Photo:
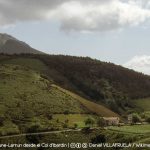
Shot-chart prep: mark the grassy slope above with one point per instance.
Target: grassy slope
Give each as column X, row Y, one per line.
column 141, row 133
column 26, row 86
column 41, row 67
column 144, row 104
column 53, row 73
column 93, row 107
column 28, row 99
column 74, row 119
column 34, row 64
column 138, row 129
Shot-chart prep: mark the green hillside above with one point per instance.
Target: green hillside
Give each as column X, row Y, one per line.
column 104, row 83
column 93, row 107
column 143, row 104
column 28, row 99
column 32, row 63
column 41, row 93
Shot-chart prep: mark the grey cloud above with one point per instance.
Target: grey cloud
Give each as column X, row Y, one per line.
column 12, row 11
column 77, row 15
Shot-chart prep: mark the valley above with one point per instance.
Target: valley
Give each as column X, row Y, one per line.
column 56, row 98
column 31, row 101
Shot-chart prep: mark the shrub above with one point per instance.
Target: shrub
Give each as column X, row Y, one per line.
column 66, row 112
column 89, row 122
column 75, row 125
column 50, row 116
column 136, row 118
column 101, row 122
column 148, row 119
column 99, row 139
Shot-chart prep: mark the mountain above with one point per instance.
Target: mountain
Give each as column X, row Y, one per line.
column 11, row 45
column 107, row 84
column 28, row 98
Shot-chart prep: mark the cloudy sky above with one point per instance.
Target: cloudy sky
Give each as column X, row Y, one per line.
column 110, row 30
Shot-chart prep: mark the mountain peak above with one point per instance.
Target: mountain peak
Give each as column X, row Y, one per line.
column 11, row 45
column 5, row 37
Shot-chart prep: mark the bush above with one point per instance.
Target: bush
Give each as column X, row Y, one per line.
column 66, row 112
column 101, row 122
column 65, row 125
column 136, row 118
column 99, row 139
column 89, row 122
column 148, row 119
column 2, row 119
column 75, row 125
column 33, row 128
column 33, row 138
column 49, row 116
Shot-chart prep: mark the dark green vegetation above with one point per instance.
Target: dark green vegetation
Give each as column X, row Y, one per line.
column 86, row 136
column 27, row 99
column 104, row 83
column 143, row 104
column 29, row 102
column 45, row 93
column 139, row 129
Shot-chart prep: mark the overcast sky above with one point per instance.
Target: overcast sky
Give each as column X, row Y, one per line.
column 110, row 30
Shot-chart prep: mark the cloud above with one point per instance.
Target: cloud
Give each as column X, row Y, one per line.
column 77, row 15
column 139, row 63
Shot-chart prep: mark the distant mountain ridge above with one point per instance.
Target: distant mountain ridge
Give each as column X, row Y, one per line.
column 11, row 45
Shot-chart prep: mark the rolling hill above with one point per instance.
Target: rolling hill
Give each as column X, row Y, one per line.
column 107, row 84
column 104, row 83
column 27, row 98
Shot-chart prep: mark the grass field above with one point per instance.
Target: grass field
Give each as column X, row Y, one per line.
column 138, row 129
column 78, row 119
column 27, row 99
column 78, row 137
column 31, row 63
column 93, row 107
column 144, row 104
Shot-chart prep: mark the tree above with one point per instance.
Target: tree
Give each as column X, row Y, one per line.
column 89, row 122
column 34, row 138
column 33, row 128
column 75, row 125
column 50, row 116
column 66, row 123
column 136, row 118
column 101, row 122
column 148, row 119
column 2, row 119
column 99, row 139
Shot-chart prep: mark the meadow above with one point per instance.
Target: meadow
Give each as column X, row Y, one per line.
column 143, row 104
column 137, row 129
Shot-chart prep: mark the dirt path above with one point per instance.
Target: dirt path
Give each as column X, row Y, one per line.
column 39, row 133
